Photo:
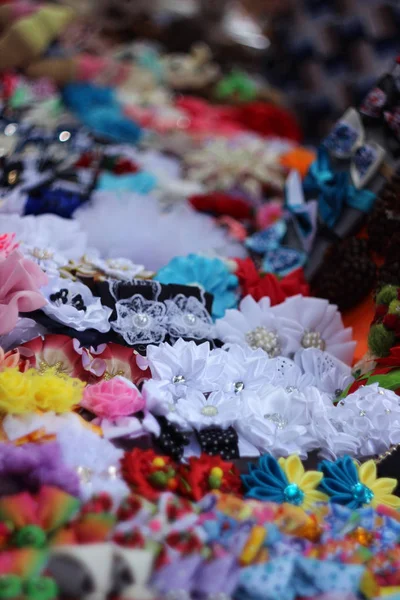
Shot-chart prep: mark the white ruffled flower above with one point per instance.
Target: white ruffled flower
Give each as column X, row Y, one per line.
column 284, row 422
column 372, row 415
column 121, row 269
column 48, row 259
column 322, row 325
column 73, row 304
column 256, row 324
column 200, row 411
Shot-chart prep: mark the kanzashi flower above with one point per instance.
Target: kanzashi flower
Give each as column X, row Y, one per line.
column 111, row 399
column 283, row 481
column 209, row 274
column 148, row 474
column 259, row 326
column 355, row 486
column 73, row 304
column 20, row 280
column 322, row 326
column 207, row 473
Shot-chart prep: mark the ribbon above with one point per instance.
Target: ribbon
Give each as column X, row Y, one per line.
column 334, row 190
column 302, row 214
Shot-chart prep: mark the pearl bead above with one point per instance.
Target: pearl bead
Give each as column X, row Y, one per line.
column 10, row 129
column 141, row 320
column 268, row 341
column 313, row 339
column 178, row 379
column 190, row 319
column 112, row 472
column 209, row 411
column 64, row 136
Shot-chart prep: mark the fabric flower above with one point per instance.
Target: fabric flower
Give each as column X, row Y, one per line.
column 188, row 317
column 16, row 394
column 322, row 326
column 50, row 392
column 52, row 354
column 48, row 259
column 355, row 486
column 207, row 473
column 20, row 280
column 267, row 119
column 219, row 203
column 31, row 465
column 210, row 274
column 140, row 321
column 258, row 286
column 121, row 269
column 285, row 421
column 8, row 360
column 259, row 326
column 329, row 374
column 7, row 245
column 73, row 304
column 371, row 415
column 269, row 213
column 199, row 411
column 148, row 474
column 283, row 481
column 114, row 398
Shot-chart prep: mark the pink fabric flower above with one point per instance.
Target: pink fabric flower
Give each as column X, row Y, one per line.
column 20, row 279
column 7, row 244
column 268, row 214
column 114, row 398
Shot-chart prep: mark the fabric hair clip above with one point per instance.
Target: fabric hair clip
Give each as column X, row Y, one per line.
column 347, row 140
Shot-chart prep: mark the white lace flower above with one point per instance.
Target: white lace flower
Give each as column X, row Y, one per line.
column 188, row 317
column 372, row 415
column 140, row 321
column 257, row 325
column 322, row 325
column 284, row 422
column 327, row 373
column 73, row 304
column 215, row 410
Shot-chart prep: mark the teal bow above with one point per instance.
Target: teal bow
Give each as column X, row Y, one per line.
column 334, row 190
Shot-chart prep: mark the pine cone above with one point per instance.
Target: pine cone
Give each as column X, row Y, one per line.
column 347, row 274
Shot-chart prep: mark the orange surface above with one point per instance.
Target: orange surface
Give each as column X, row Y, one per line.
column 359, row 318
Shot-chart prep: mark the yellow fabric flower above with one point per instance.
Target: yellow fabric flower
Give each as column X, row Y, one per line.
column 382, row 488
column 305, row 483
column 16, row 392
column 52, row 392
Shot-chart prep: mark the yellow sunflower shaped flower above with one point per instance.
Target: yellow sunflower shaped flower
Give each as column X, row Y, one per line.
column 302, row 489
column 59, row 394
column 16, row 392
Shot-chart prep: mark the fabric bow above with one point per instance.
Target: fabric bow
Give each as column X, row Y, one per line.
column 334, row 190
column 302, row 214
column 383, row 102
column 347, row 140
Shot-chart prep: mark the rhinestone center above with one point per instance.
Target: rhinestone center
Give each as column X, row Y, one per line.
column 209, row 411
column 293, row 494
column 313, row 339
column 260, row 337
column 277, row 419
column 178, row 379
column 238, row 387
column 362, row 493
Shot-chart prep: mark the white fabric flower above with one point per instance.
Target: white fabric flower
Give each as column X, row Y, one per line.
column 73, row 304
column 372, row 415
column 216, row 410
column 284, row 422
column 188, row 317
column 245, row 369
column 256, row 324
column 47, row 232
column 48, row 259
column 328, row 374
column 140, row 321
column 122, row 269
column 322, row 325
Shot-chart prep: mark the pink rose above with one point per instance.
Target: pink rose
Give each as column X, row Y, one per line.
column 20, row 280
column 113, row 398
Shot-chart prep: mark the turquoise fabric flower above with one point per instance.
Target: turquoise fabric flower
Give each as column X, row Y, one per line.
column 267, row 481
column 210, row 274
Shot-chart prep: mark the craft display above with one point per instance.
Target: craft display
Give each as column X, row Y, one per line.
column 199, row 331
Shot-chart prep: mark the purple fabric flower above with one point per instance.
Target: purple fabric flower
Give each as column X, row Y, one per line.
column 27, row 467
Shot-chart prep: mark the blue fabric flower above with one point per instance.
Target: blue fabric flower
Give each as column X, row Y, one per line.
column 267, row 481
column 139, row 183
column 341, row 482
column 210, row 274
column 99, row 110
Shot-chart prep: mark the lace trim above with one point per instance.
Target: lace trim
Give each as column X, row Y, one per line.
column 141, row 321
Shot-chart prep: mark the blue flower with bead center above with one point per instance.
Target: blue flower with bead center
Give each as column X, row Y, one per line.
column 341, row 482
column 267, row 481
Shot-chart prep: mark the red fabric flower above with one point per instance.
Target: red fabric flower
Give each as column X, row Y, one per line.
column 185, row 542
column 269, row 285
column 148, row 474
column 219, row 203
column 393, row 360
column 125, row 166
column 206, row 474
column 269, row 120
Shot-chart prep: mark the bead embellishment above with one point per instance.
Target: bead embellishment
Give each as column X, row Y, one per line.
column 268, row 341
column 313, row 339
column 277, row 419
